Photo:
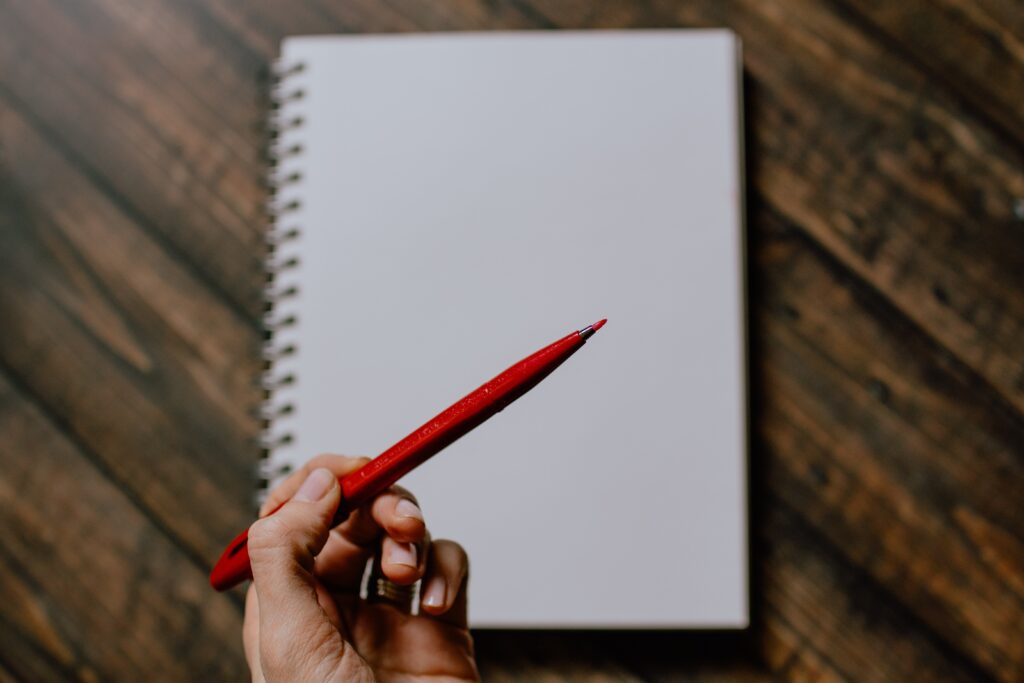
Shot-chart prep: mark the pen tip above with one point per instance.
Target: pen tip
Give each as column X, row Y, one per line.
column 589, row 330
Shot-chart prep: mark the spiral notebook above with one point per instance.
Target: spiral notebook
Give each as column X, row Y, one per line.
column 446, row 204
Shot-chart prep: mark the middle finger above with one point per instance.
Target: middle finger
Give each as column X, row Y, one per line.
column 393, row 515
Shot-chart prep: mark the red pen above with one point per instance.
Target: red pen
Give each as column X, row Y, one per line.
column 433, row 436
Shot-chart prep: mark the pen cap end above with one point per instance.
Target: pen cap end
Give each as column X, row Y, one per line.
column 233, row 566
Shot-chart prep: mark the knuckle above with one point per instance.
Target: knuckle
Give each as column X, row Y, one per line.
column 455, row 551
column 266, row 536
column 287, row 534
column 460, row 552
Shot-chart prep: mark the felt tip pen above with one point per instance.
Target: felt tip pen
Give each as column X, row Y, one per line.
column 429, row 439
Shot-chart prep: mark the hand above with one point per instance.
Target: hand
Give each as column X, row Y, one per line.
column 304, row 620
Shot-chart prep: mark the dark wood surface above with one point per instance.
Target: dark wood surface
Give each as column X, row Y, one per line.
column 885, row 149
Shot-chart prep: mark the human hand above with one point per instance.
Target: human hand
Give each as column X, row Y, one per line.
column 304, row 619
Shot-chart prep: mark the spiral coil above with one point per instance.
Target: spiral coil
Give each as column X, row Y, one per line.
column 284, row 150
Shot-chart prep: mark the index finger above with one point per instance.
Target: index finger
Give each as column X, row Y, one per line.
column 340, row 465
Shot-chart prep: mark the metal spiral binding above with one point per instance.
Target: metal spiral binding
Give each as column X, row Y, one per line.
column 283, row 152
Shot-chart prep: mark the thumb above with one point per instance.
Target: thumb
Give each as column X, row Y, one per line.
column 282, row 548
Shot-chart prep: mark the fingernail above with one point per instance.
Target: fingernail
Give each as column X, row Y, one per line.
column 403, row 553
column 435, row 593
column 316, row 485
column 407, row 508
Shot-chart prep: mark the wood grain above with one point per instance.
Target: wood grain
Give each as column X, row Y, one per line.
column 874, row 449
column 885, row 152
column 905, row 188
column 984, row 65
column 140, row 363
column 179, row 165
column 91, row 589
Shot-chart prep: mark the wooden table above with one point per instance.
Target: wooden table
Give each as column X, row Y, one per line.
column 886, row 170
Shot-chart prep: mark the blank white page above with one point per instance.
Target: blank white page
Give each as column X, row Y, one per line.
column 468, row 198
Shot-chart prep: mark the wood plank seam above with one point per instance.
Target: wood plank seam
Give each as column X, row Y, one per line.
column 803, row 645
column 10, row 630
column 960, row 373
column 205, row 17
column 951, row 618
column 170, row 77
column 534, row 14
column 129, row 210
column 930, row 440
column 881, row 36
column 992, row 396
column 10, row 563
column 62, row 427
column 76, row 320
column 153, row 132
column 892, row 600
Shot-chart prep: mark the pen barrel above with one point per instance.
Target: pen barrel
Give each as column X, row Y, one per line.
column 455, row 422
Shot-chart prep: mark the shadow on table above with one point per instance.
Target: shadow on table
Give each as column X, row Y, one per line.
column 647, row 654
